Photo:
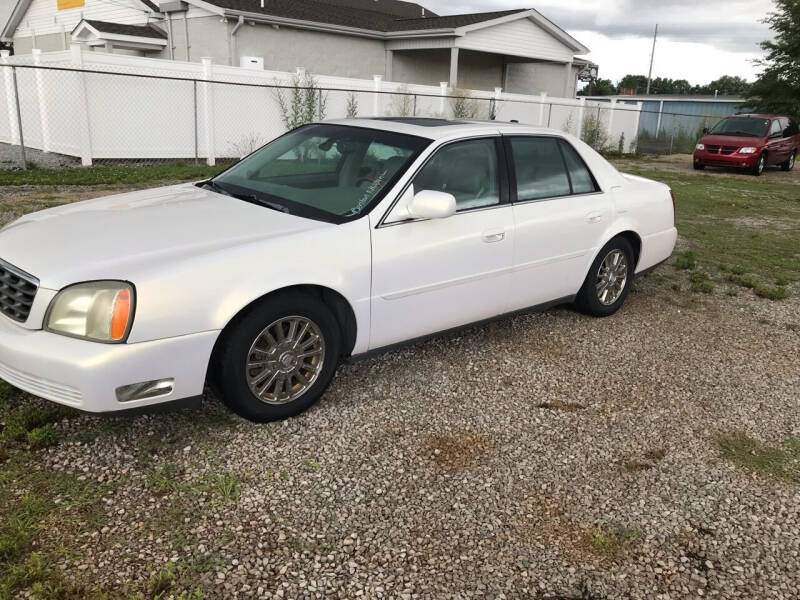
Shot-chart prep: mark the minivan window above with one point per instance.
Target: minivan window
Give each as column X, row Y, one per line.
column 467, row 170
column 540, row 169
column 742, row 126
column 776, row 128
column 579, row 175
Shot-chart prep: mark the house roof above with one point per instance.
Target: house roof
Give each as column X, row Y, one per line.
column 146, row 31
column 450, row 21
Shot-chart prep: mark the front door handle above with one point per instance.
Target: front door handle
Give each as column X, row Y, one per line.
column 491, row 237
column 594, row 217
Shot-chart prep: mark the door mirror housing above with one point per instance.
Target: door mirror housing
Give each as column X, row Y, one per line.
column 706, row 131
column 428, row 204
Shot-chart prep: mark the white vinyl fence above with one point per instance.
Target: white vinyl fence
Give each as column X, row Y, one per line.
column 99, row 106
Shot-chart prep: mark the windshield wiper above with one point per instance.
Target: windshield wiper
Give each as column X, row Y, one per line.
column 252, row 198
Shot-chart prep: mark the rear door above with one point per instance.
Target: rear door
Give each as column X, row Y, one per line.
column 561, row 215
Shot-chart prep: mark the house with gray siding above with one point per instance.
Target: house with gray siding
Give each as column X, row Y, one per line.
column 518, row 50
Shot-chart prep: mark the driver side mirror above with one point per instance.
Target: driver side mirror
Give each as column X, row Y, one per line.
column 706, row 130
column 428, row 204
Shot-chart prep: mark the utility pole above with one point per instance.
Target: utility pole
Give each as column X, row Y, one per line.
column 652, row 56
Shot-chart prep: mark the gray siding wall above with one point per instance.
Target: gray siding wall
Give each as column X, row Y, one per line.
column 538, row 77
column 282, row 49
column 476, row 71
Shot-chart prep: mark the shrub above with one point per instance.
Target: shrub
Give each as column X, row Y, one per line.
column 303, row 102
column 463, row 105
column 352, row 106
column 594, row 132
column 402, row 104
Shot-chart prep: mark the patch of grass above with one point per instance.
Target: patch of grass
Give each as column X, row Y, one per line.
column 42, row 437
column 109, row 175
column 609, row 541
column 227, row 485
column 701, row 283
column 309, row 464
column 753, row 224
column 781, row 280
column 745, row 281
column 686, row 261
column 778, row 462
column 771, row 293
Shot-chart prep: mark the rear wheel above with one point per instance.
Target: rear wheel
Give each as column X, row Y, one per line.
column 761, row 164
column 278, row 359
column 609, row 280
column 789, row 164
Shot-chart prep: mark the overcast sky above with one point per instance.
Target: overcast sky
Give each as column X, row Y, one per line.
column 699, row 40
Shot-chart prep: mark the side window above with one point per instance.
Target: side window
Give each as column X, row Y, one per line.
column 540, row 168
column 793, row 127
column 776, row 128
column 468, row 170
column 579, row 175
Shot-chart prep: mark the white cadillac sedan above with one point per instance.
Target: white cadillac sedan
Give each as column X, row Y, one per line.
column 335, row 240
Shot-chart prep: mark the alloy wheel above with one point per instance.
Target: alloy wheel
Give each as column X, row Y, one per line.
column 285, row 360
column 612, row 277
column 761, row 163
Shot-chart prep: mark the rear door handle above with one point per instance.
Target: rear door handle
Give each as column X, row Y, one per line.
column 491, row 237
column 594, row 217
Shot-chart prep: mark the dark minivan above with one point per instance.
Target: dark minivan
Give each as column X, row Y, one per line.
column 750, row 142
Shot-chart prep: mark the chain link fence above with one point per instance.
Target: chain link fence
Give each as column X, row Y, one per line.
column 60, row 116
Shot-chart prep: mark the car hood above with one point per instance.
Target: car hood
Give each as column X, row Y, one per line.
column 116, row 237
column 732, row 140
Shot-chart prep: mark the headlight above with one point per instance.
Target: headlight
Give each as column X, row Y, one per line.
column 701, row 146
column 101, row 311
column 748, row 150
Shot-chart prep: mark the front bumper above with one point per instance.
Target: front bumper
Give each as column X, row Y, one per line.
column 736, row 160
column 85, row 375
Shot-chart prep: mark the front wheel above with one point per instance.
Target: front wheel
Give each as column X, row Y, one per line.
column 789, row 164
column 279, row 357
column 699, row 167
column 609, row 280
column 761, row 164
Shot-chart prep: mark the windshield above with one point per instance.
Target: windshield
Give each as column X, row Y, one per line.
column 742, row 126
column 332, row 173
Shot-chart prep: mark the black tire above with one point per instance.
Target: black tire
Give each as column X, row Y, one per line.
column 231, row 368
column 587, row 300
column 761, row 164
column 699, row 167
column 788, row 164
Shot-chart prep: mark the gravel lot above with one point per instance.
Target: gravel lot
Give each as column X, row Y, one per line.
column 433, row 472
column 543, row 456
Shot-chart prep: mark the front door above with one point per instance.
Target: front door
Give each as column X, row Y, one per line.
column 432, row 275
column 560, row 217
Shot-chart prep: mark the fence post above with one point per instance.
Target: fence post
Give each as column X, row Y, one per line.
column 543, row 100
column 13, row 125
column 22, row 157
column 611, row 119
column 634, row 144
column 42, row 98
column 443, row 85
column 498, row 95
column 581, row 112
column 415, row 105
column 76, row 51
column 376, row 103
column 196, row 132
column 208, row 112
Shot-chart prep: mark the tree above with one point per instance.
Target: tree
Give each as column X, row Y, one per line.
column 727, row 85
column 777, row 89
column 599, row 87
column 635, row 83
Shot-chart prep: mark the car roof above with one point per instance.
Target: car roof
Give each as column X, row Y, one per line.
column 760, row 116
column 436, row 128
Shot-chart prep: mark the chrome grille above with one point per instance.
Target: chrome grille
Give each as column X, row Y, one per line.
column 17, row 291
